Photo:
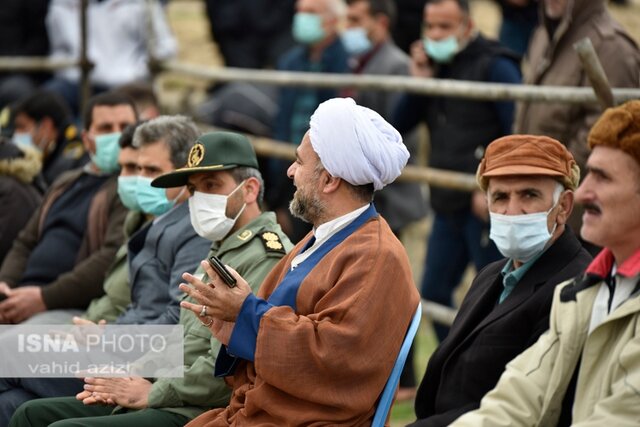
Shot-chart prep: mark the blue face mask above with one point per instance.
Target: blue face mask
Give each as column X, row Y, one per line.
column 127, row 186
column 441, row 51
column 307, row 28
column 520, row 237
column 152, row 200
column 23, row 139
column 107, row 150
column 355, row 41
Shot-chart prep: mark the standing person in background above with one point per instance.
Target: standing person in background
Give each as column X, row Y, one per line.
column 459, row 131
column 552, row 61
column 144, row 98
column 117, row 43
column 319, row 49
column 519, row 19
column 367, row 39
column 251, row 34
column 22, row 33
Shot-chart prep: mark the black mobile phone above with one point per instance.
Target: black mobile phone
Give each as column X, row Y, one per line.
column 222, row 271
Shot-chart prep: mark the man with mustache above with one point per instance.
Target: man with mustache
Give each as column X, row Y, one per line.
column 586, row 369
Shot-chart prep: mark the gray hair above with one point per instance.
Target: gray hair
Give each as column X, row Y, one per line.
column 242, row 173
column 179, row 133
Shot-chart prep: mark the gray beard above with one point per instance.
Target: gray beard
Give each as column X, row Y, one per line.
column 308, row 209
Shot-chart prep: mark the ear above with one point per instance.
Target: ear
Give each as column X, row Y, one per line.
column 383, row 20
column 565, row 206
column 251, row 190
column 330, row 184
column 47, row 124
column 470, row 26
column 88, row 142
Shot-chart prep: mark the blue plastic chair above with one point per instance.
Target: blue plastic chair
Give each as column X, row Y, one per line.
column 392, row 383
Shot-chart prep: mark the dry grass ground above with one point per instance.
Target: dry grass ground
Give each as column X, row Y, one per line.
column 189, row 23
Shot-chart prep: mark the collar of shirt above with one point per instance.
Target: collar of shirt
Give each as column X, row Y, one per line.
column 325, row 231
column 511, row 277
column 623, row 287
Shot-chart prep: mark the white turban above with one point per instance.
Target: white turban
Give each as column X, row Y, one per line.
column 356, row 144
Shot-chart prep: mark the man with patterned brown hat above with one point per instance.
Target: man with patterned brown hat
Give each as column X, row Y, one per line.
column 586, row 369
column 529, row 183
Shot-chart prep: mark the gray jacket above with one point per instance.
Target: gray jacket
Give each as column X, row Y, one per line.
column 158, row 255
column 400, row 202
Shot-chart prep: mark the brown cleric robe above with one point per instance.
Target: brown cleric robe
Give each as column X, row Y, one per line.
column 326, row 361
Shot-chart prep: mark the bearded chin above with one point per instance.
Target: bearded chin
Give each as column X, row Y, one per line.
column 298, row 207
column 307, row 208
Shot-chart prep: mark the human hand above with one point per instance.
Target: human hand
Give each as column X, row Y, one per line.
column 420, row 66
column 79, row 321
column 220, row 301
column 128, row 392
column 5, row 290
column 21, row 304
column 479, row 205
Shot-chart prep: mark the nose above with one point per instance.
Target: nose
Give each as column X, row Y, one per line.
column 292, row 170
column 582, row 192
column 513, row 207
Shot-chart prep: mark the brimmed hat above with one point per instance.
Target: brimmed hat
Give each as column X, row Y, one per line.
column 528, row 155
column 618, row 127
column 215, row 151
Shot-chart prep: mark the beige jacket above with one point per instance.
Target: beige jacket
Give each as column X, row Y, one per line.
column 531, row 390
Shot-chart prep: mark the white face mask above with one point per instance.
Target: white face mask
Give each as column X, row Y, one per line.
column 208, row 214
column 521, row 237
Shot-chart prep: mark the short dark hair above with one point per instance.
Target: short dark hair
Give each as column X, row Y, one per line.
column 111, row 99
column 43, row 103
column 463, row 4
column 126, row 138
column 141, row 93
column 382, row 7
column 363, row 193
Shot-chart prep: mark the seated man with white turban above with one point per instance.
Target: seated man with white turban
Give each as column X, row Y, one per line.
column 319, row 340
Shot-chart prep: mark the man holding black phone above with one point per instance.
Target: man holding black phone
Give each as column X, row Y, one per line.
column 311, row 347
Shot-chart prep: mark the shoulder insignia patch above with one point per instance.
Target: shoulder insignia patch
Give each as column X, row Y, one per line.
column 246, row 234
column 71, row 133
column 5, row 117
column 74, row 150
column 272, row 242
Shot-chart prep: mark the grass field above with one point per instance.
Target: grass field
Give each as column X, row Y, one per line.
column 190, row 26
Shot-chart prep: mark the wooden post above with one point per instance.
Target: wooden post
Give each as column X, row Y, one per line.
column 85, row 64
column 595, row 72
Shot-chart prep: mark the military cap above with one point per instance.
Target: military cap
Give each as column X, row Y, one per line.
column 215, row 151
